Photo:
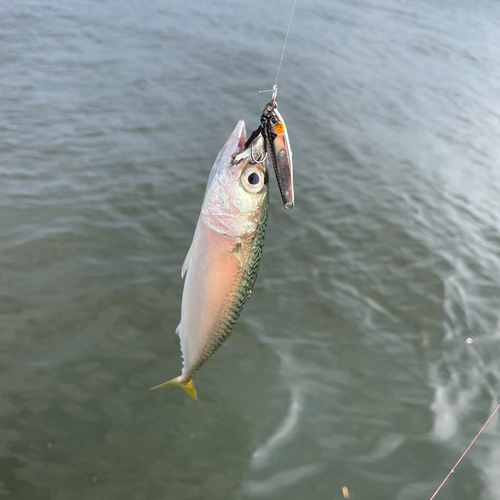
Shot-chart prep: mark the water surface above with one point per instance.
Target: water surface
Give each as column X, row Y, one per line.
column 350, row 365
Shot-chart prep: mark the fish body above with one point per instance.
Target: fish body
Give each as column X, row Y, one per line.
column 221, row 266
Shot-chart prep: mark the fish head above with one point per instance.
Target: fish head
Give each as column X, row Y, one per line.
column 237, row 191
column 281, row 156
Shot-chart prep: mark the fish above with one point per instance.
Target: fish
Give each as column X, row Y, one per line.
column 221, row 265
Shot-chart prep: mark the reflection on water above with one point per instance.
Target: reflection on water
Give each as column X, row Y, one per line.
column 350, row 366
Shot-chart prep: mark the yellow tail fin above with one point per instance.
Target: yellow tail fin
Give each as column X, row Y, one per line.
column 188, row 386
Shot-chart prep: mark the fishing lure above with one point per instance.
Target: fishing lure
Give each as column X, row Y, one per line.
column 273, row 130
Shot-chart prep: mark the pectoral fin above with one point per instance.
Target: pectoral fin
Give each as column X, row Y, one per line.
column 237, row 250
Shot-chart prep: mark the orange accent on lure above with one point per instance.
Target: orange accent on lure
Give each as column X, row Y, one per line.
column 278, row 129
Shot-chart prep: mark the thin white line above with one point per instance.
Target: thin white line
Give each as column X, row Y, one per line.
column 286, row 39
column 465, row 453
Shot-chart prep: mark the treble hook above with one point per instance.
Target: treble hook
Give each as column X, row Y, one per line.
column 259, row 160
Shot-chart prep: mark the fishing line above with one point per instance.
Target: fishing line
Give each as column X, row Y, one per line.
column 284, row 45
column 275, row 86
column 465, row 453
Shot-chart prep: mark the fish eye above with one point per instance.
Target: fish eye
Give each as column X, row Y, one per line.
column 274, row 120
column 253, row 180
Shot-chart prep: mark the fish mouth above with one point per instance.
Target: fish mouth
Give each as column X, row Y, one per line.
column 234, row 145
column 237, row 138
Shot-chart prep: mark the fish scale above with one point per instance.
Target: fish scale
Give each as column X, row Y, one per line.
column 245, row 288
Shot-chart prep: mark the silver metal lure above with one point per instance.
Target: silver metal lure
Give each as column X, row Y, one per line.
column 277, row 146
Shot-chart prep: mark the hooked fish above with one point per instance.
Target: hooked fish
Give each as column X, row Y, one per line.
column 222, row 263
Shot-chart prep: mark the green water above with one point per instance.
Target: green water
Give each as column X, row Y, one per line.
column 350, row 364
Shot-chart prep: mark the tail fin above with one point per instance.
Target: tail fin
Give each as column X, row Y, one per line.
column 187, row 385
